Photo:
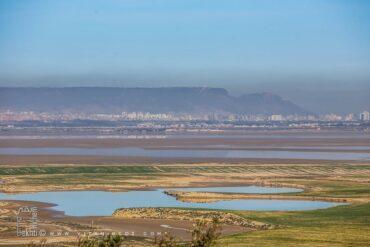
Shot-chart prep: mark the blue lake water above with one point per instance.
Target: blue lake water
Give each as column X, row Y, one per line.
column 102, row 203
column 188, row 153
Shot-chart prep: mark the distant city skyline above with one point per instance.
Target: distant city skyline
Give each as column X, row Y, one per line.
column 315, row 53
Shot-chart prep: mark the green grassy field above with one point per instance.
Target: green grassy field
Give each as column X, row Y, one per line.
column 347, row 225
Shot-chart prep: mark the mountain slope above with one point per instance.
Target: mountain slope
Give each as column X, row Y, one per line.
column 154, row 100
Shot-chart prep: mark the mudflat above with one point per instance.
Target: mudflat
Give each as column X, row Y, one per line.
column 30, row 160
column 244, row 140
column 335, row 142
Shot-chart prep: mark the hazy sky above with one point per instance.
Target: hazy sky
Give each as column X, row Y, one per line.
column 316, row 53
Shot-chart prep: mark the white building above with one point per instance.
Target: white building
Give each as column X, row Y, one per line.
column 276, row 118
column 349, row 117
column 365, row 116
column 332, row 117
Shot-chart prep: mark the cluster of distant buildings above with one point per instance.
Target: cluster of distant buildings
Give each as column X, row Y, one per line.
column 363, row 116
column 9, row 116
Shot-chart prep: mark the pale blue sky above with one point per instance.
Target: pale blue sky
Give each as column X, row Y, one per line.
column 316, row 53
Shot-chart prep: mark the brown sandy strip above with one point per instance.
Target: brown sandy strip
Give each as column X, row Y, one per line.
column 186, row 196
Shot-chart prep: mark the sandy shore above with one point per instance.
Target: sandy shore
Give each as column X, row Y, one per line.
column 187, row 196
column 54, row 221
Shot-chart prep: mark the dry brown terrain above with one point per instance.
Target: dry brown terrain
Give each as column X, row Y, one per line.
column 123, row 178
column 188, row 196
column 321, row 180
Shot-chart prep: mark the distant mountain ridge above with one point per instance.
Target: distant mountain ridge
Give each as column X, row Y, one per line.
column 192, row 100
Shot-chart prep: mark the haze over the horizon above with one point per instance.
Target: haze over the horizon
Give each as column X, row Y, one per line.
column 315, row 53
